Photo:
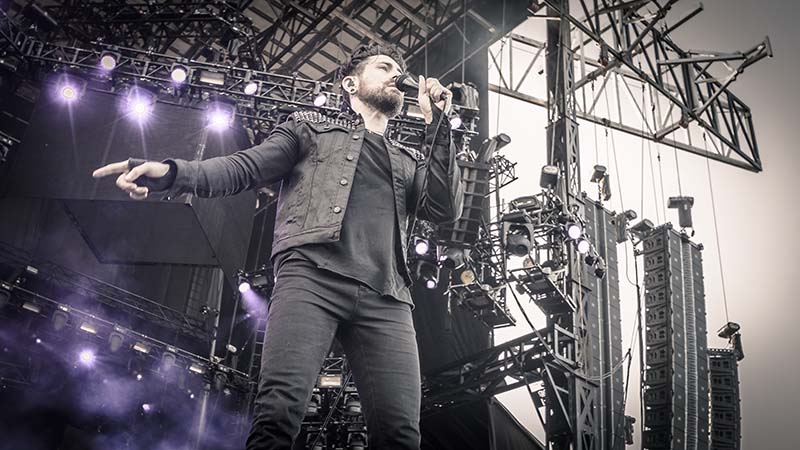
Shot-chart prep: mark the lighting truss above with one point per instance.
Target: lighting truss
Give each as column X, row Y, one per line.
column 631, row 43
column 112, row 296
column 275, row 94
column 526, row 360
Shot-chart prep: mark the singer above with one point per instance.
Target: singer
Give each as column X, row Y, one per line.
column 340, row 242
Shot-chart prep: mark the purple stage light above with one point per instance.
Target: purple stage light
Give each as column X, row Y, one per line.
column 68, row 92
column 138, row 377
column 218, row 120
column 38, row 341
column 86, row 357
column 430, row 284
column 147, row 408
column 244, row 286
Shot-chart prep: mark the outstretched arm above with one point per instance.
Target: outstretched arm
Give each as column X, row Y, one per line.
column 263, row 164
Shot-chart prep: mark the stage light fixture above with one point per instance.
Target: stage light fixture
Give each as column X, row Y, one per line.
column 428, row 272
column 356, row 441
column 32, row 307
column 549, row 177
column 211, row 77
column 68, row 88
column 141, row 347
column 88, row 327
column 352, row 404
column 220, row 114
column 139, row 103
column 455, row 122
column 422, row 246
column 728, row 330
column 313, row 405
column 574, row 230
column 109, row 60
column 251, row 88
column 115, row 340
column 453, row 258
column 139, row 377
column 320, row 100
column 147, row 408
column 518, row 232
column 330, row 381
column 598, row 174
column 244, row 286
column 600, row 268
column 179, row 73
column 467, row 276
column 197, row 368
column 621, row 222
column 38, row 340
column 87, row 357
column 168, row 359
column 583, row 246
column 642, row 228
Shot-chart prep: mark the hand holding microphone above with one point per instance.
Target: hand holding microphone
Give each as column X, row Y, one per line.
column 427, row 89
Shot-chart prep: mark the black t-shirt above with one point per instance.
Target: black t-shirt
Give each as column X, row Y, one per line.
column 366, row 250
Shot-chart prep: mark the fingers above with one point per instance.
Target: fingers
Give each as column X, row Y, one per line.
column 136, row 172
column 117, row 167
column 134, row 191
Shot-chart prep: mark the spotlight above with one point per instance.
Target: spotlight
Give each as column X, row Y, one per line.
column 642, row 228
column 147, row 408
column 583, row 246
column 115, row 340
column 244, row 286
column 251, row 88
column 139, row 103
column 428, row 272
column 320, row 100
column 591, row 258
column 600, row 268
column 621, row 221
column 549, row 177
column 453, row 258
column 574, row 230
column 139, row 377
column 60, row 317
column 728, row 330
column 109, row 60
column 490, row 146
column 467, row 276
column 179, row 73
column 168, row 359
column 455, row 122
column 598, row 174
column 38, row 341
column 518, row 232
column 197, row 368
column 68, row 92
column 86, row 357
column 220, row 115
column 684, row 207
column 421, row 246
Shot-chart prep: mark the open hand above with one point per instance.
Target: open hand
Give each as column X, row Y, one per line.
column 128, row 176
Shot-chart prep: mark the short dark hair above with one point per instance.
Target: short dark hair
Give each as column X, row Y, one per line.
column 354, row 64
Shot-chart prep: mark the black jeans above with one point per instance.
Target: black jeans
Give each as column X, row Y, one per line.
column 309, row 307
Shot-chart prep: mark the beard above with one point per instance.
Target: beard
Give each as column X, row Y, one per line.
column 382, row 99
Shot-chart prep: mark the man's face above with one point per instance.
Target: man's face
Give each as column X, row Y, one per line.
column 376, row 85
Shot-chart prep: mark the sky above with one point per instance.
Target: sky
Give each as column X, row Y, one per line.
column 757, row 213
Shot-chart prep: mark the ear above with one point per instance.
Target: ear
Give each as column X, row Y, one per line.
column 349, row 83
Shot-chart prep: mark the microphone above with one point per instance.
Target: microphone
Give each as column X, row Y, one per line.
column 408, row 84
